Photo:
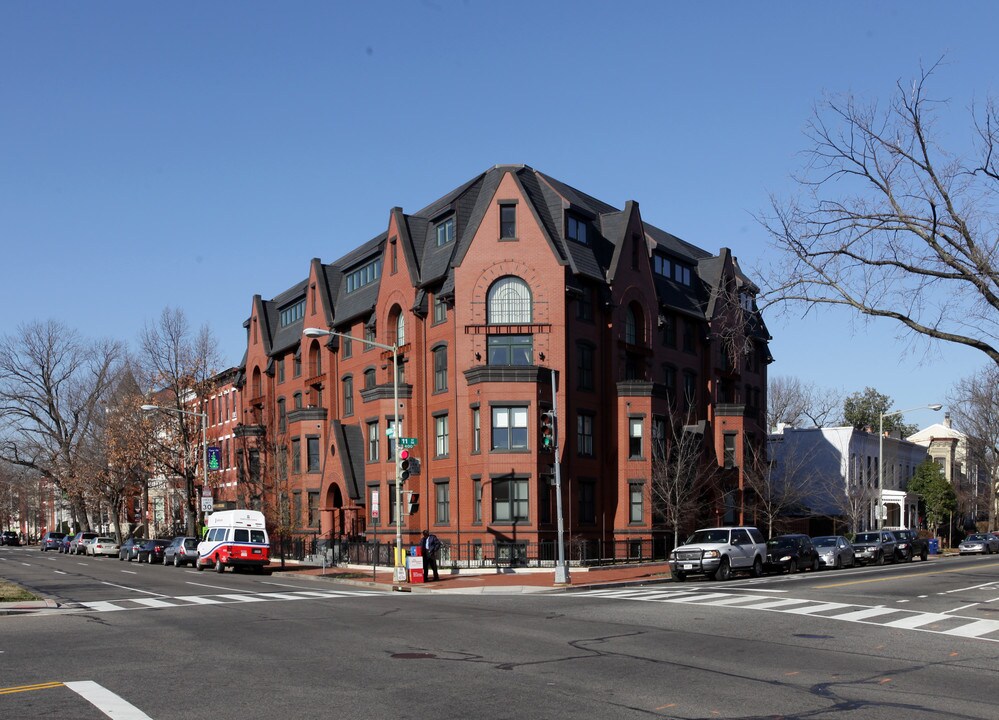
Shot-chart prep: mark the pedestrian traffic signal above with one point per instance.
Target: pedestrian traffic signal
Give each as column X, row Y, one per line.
column 548, row 430
column 405, row 462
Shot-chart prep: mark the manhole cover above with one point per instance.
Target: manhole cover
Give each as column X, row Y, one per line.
column 413, row 656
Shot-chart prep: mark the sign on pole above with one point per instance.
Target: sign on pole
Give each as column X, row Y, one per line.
column 407, row 442
column 206, row 503
column 214, row 458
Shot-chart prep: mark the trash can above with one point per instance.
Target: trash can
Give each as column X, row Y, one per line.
column 934, row 546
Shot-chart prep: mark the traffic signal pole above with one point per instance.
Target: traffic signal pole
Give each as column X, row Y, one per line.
column 561, row 569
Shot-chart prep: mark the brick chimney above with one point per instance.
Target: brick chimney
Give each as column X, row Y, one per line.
column 947, row 420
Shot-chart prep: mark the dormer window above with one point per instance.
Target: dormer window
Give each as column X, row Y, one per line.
column 672, row 269
column 445, row 232
column 293, row 313
column 364, row 275
column 575, row 229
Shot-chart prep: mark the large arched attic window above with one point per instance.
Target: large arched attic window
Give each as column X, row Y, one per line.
column 509, row 303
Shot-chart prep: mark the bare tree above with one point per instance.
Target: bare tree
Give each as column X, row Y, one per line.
column 179, row 365
column 974, row 406
column 890, row 224
column 120, row 456
column 683, row 472
column 53, row 384
column 779, row 489
column 798, row 404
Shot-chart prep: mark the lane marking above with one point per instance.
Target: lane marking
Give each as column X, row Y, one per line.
column 29, row 688
column 217, row 587
column 963, row 607
column 864, row 614
column 125, row 587
column 897, row 577
column 917, row 621
column 106, row 701
column 58, row 572
column 975, row 629
column 152, row 602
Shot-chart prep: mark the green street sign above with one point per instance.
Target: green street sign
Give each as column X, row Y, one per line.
column 407, row 442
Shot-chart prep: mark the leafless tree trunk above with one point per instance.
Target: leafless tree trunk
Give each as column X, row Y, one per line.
column 974, row 407
column 779, row 489
column 891, row 225
column 53, row 385
column 178, row 367
column 683, row 473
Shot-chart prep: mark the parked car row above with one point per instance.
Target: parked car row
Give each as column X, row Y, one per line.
column 717, row 552
column 179, row 551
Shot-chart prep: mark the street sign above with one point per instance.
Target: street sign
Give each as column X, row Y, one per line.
column 214, row 458
column 206, row 503
column 407, row 442
column 390, row 432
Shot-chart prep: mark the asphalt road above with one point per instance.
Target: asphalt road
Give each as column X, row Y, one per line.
column 916, row 641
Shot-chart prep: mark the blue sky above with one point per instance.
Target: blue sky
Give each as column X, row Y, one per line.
column 194, row 154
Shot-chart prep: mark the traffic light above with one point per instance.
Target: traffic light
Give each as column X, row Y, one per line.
column 548, row 430
column 412, row 502
column 405, row 462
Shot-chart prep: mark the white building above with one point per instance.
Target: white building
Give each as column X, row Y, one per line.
column 838, row 467
column 949, row 449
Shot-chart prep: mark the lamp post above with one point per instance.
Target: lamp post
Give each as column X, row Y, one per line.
column 204, row 438
column 881, row 447
column 400, row 569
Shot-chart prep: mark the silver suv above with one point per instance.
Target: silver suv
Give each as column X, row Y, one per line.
column 716, row 552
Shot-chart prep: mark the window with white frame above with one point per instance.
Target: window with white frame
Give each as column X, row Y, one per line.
column 443, row 504
column 445, row 232
column 441, row 435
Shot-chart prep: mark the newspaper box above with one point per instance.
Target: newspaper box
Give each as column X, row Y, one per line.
column 415, row 563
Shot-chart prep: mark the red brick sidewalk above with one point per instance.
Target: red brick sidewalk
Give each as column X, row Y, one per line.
column 503, row 582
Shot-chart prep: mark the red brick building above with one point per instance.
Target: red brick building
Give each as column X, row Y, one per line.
column 485, row 292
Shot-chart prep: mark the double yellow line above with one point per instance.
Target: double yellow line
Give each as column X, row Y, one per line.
column 29, row 688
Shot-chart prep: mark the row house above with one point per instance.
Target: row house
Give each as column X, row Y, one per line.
column 512, row 296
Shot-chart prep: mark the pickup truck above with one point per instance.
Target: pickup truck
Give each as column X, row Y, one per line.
column 909, row 545
column 874, row 547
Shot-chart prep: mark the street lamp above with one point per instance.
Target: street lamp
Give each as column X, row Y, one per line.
column 204, row 437
column 881, row 446
column 400, row 568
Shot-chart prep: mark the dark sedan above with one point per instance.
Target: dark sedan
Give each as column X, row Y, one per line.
column 152, row 551
column 791, row 553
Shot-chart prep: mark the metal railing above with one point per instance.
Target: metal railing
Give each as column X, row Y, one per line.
column 472, row 555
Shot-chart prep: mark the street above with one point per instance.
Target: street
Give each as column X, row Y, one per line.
column 920, row 640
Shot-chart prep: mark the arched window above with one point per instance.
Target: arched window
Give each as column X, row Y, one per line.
column 282, row 415
column 509, row 302
column 315, row 359
column 257, row 385
column 400, row 327
column 629, row 326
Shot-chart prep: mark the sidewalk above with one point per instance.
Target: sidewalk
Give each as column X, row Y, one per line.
column 490, row 582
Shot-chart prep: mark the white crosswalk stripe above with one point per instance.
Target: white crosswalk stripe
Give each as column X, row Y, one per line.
column 958, row 625
column 221, row 599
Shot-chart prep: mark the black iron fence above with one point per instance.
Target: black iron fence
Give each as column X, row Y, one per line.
column 473, row 555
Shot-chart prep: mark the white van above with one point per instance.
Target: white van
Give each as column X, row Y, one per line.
column 235, row 538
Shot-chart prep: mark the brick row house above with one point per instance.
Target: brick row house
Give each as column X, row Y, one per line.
column 486, row 292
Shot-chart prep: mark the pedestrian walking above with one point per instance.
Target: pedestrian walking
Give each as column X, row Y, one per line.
column 430, row 545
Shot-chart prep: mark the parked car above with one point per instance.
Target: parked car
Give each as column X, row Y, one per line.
column 875, row 547
column 835, row 551
column 152, row 551
column 77, row 545
column 65, row 542
column 909, row 545
column 51, row 540
column 103, row 546
column 716, row 552
column 791, row 553
column 182, row 551
column 129, row 550
column 10, row 537
column 983, row 543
